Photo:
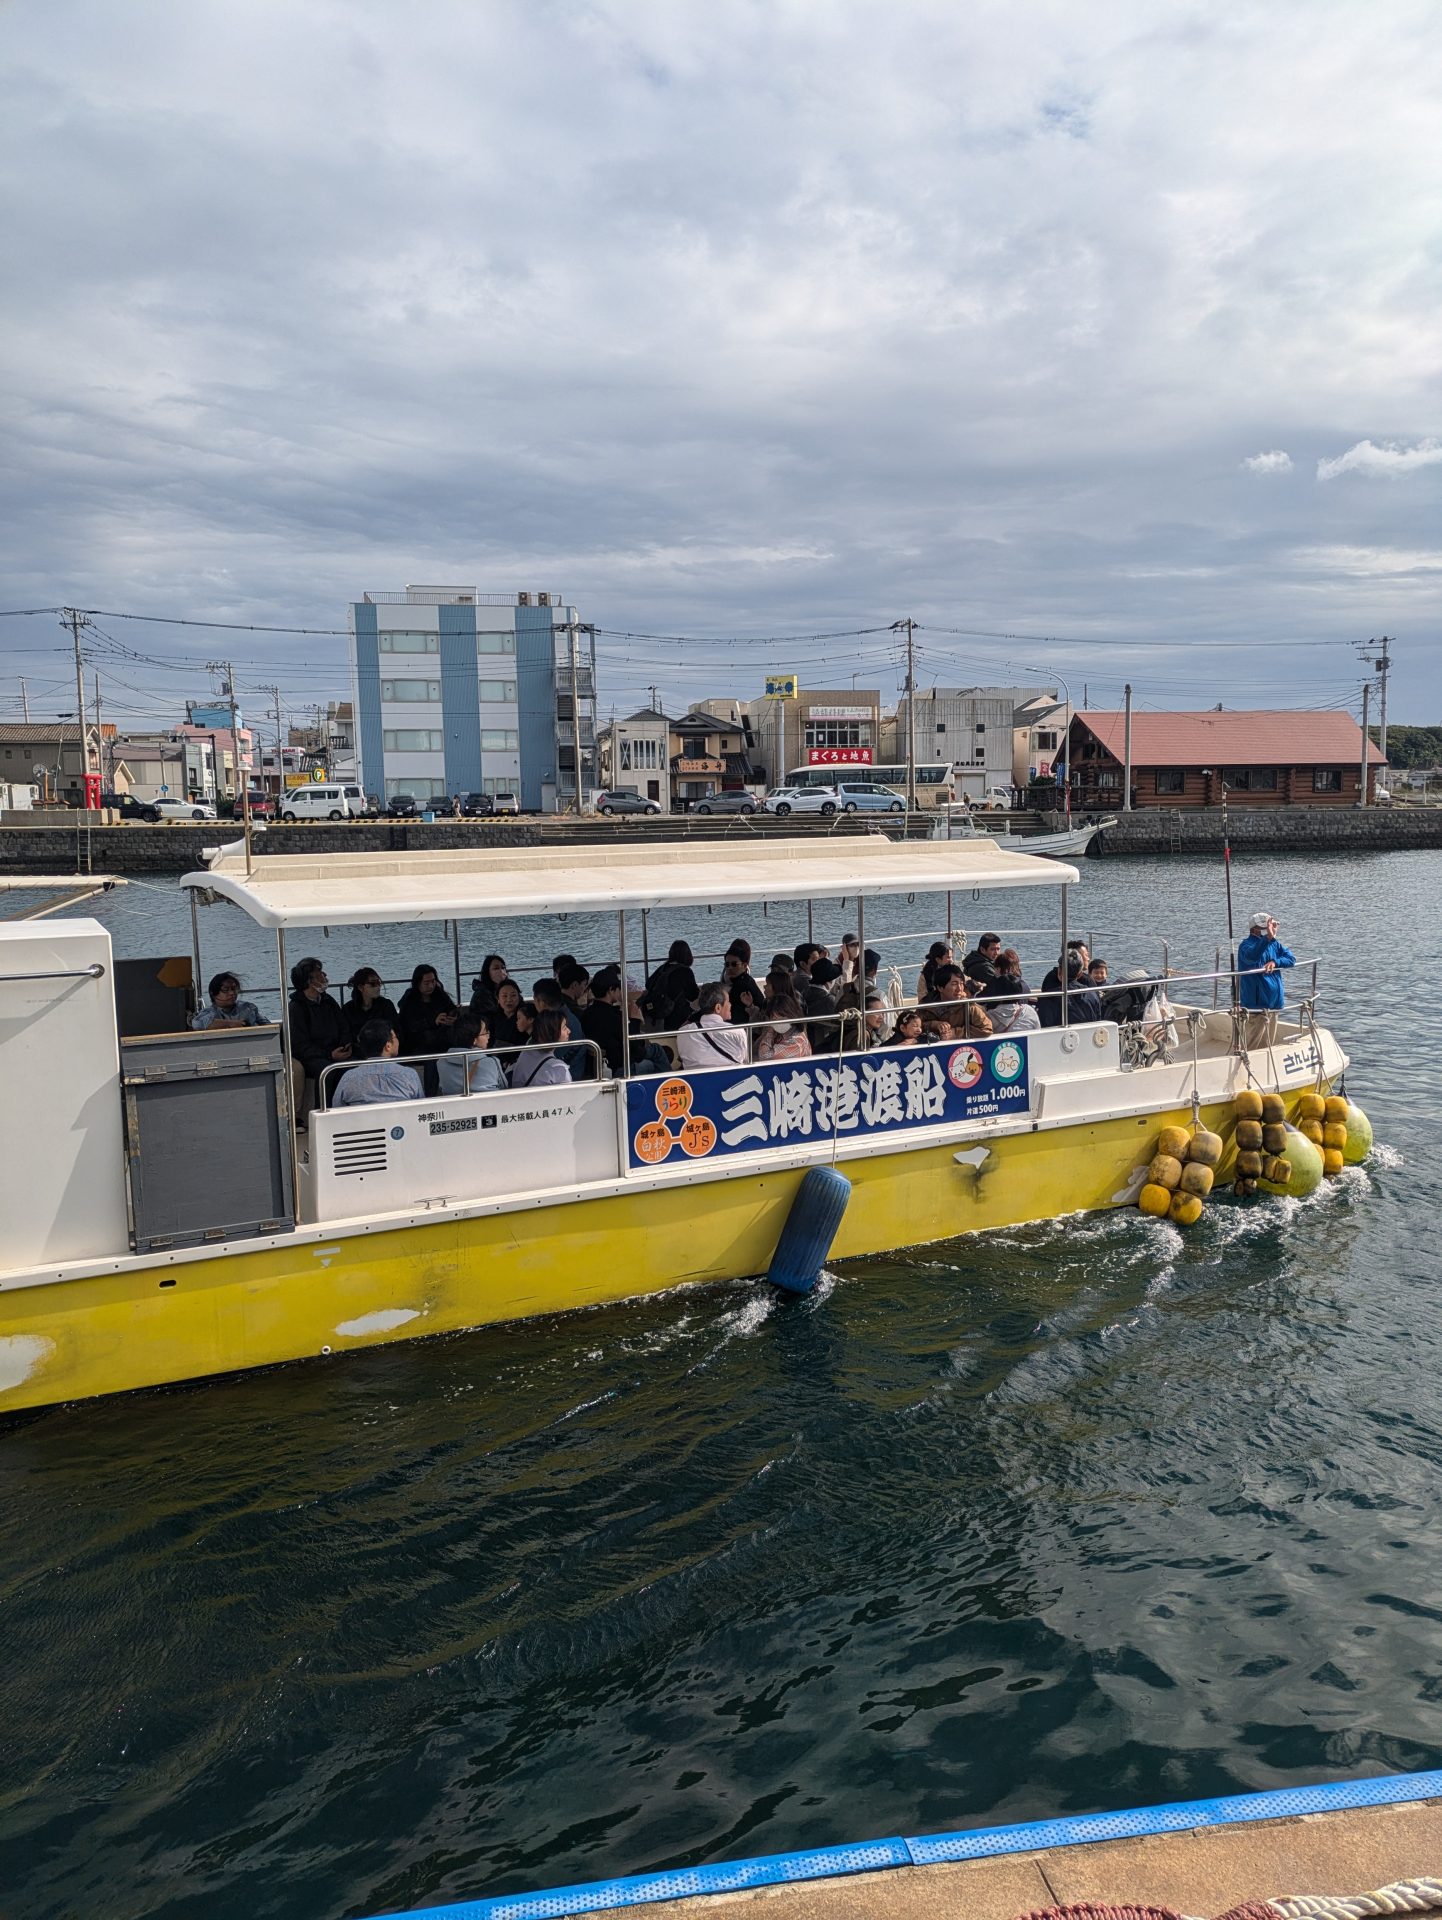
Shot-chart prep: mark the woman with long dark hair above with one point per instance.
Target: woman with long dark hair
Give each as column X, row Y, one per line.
column 423, row 1020
column 486, row 986
column 366, row 1002
column 537, row 1065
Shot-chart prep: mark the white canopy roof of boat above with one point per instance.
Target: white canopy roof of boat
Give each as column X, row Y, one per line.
column 491, row 883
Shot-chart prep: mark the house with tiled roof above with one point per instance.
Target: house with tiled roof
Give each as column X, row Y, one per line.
column 1261, row 758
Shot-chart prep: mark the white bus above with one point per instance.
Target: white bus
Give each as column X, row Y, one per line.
column 931, row 777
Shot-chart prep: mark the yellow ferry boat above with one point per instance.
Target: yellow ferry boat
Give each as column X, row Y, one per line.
column 162, row 1223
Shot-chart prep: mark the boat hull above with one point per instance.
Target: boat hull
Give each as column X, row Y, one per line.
column 365, row 1284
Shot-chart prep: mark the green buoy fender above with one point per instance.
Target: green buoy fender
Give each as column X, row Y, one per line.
column 1359, row 1136
column 1306, row 1168
column 809, row 1231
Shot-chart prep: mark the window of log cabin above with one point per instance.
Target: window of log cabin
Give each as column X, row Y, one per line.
column 1250, row 779
column 1326, row 780
column 1171, row 780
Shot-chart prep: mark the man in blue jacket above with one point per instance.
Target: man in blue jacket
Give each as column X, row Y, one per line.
column 1260, row 959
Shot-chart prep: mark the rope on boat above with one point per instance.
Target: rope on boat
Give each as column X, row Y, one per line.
column 1403, row 1896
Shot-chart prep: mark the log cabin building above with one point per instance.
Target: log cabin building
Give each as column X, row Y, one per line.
column 1182, row 759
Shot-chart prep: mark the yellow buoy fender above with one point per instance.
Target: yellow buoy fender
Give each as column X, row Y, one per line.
column 1314, row 1130
column 1334, row 1134
column 1359, row 1137
column 1154, row 1200
column 1274, row 1137
column 1196, row 1178
column 1249, row 1164
column 1186, row 1209
column 1165, row 1171
column 1204, row 1149
column 1274, row 1109
column 1174, row 1141
column 1248, row 1104
column 1311, row 1106
column 1249, row 1135
column 1336, row 1108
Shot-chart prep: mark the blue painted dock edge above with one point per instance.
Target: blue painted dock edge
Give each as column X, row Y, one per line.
column 871, row 1856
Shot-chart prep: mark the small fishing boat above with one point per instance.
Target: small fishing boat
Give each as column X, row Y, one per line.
column 958, row 822
column 165, row 1219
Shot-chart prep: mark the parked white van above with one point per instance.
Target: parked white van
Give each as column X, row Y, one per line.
column 328, row 801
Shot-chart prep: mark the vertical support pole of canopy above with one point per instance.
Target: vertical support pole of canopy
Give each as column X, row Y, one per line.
column 810, row 919
column 861, row 966
column 289, row 1090
column 456, row 952
column 625, row 997
column 1061, row 965
column 195, row 953
column 950, row 934
column 645, row 949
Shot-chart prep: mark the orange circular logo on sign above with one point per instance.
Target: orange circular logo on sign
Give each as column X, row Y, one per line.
column 673, row 1099
column 652, row 1142
column 698, row 1135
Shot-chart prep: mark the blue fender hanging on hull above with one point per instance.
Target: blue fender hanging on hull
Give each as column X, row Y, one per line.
column 810, row 1229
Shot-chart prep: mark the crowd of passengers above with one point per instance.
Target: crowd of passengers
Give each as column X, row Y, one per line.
column 807, row 1003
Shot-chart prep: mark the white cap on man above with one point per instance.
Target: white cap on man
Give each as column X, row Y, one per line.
column 1262, row 920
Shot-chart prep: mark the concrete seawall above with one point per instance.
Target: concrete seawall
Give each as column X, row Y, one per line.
column 1273, row 830
column 139, row 849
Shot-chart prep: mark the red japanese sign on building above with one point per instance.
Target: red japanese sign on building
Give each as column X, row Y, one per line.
column 838, row 756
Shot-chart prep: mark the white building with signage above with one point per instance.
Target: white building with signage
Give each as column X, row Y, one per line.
column 816, row 728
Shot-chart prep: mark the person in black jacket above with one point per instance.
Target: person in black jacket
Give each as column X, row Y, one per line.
column 423, row 1021
column 366, row 1002
column 672, row 991
column 486, row 986
column 981, row 962
column 319, row 1036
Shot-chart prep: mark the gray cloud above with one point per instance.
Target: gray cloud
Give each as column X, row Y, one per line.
column 1390, row 461
column 745, row 319
column 1274, row 462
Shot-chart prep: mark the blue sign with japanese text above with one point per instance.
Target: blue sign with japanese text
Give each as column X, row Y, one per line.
column 744, row 1109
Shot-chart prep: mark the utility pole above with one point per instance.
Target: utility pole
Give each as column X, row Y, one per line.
column 242, row 781
column 76, row 621
column 1375, row 653
column 100, row 737
column 1126, row 750
column 24, row 703
column 1366, row 706
column 655, row 694
column 274, row 693
column 909, row 627
column 573, row 631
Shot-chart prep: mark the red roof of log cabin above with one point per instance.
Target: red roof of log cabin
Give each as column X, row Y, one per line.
column 1245, row 739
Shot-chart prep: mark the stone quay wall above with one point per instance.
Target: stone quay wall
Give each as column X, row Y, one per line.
column 1272, row 830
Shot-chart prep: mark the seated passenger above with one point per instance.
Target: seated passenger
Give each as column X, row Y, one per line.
column 380, row 1076
column 366, row 1001
column 226, row 1008
column 710, row 1040
column 818, row 1001
column 736, row 978
column 424, row 1019
column 548, row 997
column 612, row 1022
column 781, row 1038
column 878, row 1019
column 536, row 1065
column 848, row 957
column 503, row 1020
column 967, row 1017
column 486, row 987
column 466, row 1071
column 909, row 1030
column 671, row 993
column 938, row 954
column 318, row 1035
column 575, row 983
column 980, row 963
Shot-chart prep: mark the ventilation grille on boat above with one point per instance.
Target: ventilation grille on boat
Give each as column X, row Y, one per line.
column 361, row 1152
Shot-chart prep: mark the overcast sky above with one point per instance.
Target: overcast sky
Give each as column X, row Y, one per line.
column 1112, row 323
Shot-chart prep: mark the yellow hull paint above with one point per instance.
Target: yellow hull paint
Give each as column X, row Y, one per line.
column 71, row 1340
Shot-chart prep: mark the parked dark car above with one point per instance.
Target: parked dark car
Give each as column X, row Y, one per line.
column 129, row 808
column 404, row 806
column 477, row 806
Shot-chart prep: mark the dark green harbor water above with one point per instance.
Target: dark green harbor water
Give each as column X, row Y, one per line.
column 1071, row 1518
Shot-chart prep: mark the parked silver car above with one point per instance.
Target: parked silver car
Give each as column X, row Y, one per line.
column 625, row 801
column 736, row 801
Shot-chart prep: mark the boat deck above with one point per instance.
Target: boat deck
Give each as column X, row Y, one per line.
column 1314, row 1849
column 1204, row 1872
